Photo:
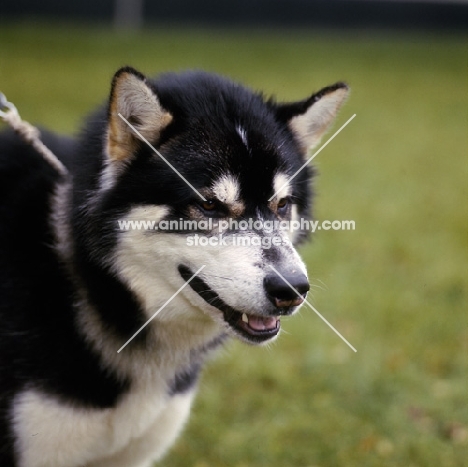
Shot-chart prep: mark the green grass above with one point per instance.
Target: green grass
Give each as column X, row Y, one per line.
column 396, row 287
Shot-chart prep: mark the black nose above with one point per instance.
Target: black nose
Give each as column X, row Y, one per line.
column 279, row 291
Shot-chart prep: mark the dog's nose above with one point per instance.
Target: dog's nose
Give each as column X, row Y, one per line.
column 286, row 290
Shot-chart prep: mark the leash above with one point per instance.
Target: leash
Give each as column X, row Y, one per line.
column 29, row 133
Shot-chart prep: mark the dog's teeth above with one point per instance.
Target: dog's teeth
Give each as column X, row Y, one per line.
column 245, row 318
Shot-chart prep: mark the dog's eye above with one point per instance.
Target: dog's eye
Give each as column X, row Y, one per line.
column 212, row 208
column 208, row 205
column 283, row 203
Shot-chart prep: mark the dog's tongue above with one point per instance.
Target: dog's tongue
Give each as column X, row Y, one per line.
column 262, row 324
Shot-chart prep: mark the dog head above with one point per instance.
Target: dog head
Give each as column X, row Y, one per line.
column 198, row 180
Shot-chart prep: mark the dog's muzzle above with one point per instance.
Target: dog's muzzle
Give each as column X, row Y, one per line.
column 286, row 292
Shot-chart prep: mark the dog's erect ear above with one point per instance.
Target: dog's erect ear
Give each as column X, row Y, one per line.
column 133, row 99
column 311, row 118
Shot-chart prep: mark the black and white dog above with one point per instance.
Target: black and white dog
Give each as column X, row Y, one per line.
column 77, row 283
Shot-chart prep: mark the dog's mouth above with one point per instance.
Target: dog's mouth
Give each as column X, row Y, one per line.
column 253, row 328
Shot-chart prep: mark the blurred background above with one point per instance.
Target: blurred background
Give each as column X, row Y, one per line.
column 396, row 287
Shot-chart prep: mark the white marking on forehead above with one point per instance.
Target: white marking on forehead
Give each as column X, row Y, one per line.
column 227, row 189
column 243, row 135
column 281, row 186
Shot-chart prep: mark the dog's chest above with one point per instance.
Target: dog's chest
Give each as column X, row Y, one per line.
column 51, row 433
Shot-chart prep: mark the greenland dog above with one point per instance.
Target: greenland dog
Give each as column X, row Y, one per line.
column 105, row 325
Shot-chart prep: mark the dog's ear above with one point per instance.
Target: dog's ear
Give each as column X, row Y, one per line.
column 311, row 118
column 132, row 99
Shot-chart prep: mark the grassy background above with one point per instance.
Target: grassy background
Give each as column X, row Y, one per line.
column 396, row 287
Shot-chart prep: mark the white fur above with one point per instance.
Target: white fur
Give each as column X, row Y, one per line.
column 138, row 430
column 243, row 135
column 281, row 186
column 156, row 440
column 231, row 271
column 227, row 189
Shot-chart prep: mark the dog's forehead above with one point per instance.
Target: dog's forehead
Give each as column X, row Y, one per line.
column 229, row 140
column 250, row 165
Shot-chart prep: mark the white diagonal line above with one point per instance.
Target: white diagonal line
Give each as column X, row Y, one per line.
column 310, row 159
column 162, row 157
column 318, row 314
column 160, row 309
